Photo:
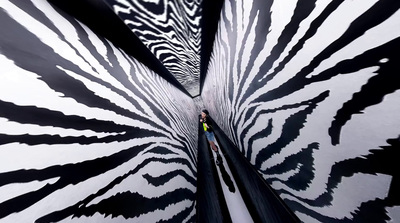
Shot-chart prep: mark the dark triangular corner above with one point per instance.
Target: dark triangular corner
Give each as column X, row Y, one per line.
column 100, row 18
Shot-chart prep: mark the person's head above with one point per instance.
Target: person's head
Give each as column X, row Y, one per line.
column 204, row 113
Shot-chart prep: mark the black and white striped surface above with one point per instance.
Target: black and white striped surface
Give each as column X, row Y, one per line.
column 87, row 133
column 237, row 208
column 171, row 30
column 309, row 91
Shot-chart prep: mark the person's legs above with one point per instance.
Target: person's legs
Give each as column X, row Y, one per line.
column 211, row 140
column 213, row 147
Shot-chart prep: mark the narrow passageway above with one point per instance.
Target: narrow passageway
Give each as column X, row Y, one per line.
column 98, row 111
column 236, row 206
column 233, row 191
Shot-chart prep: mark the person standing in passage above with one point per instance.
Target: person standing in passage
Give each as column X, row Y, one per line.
column 208, row 130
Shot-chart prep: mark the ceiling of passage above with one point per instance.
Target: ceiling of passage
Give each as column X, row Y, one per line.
column 171, row 31
column 174, row 38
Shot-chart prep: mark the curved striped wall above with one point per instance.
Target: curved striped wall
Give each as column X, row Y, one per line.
column 171, row 30
column 309, row 92
column 87, row 133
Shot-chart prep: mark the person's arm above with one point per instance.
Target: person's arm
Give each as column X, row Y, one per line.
column 208, row 123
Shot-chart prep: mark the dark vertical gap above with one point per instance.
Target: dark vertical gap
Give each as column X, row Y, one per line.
column 211, row 205
column 211, row 10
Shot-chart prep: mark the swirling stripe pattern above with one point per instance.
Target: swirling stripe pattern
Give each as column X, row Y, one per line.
column 309, row 92
column 171, row 31
column 87, row 133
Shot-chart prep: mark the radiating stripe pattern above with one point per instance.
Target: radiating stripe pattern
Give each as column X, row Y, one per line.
column 87, row 133
column 309, row 92
column 171, row 31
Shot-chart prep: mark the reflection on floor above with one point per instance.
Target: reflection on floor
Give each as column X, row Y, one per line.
column 237, row 208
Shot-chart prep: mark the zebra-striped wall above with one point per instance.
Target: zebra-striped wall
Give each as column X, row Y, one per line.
column 171, row 30
column 87, row 133
column 309, row 92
